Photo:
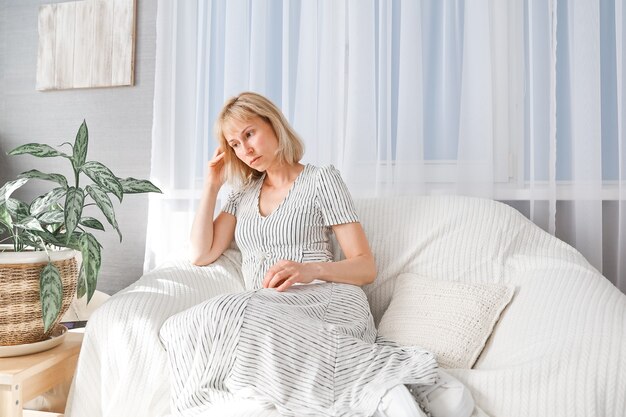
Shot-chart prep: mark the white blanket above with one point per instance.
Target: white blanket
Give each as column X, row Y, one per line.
column 559, row 349
column 122, row 368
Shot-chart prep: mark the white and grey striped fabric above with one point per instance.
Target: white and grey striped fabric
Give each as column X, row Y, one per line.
column 308, row 351
column 298, row 229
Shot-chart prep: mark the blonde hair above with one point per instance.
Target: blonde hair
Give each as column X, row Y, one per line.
column 242, row 108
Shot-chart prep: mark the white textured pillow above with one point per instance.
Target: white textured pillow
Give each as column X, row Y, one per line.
column 453, row 320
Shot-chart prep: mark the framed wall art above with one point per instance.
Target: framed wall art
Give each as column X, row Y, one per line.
column 86, row 44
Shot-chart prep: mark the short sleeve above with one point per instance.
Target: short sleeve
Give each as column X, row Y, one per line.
column 333, row 198
column 232, row 202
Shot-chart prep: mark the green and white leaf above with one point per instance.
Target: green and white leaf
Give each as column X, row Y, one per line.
column 73, row 208
column 31, row 240
column 134, row 186
column 10, row 186
column 90, row 249
column 33, row 173
column 51, row 294
column 18, row 209
column 30, row 223
column 43, row 203
column 104, row 203
column 81, row 285
column 80, row 147
column 37, row 149
column 52, row 217
column 92, row 223
column 47, row 236
column 61, row 240
column 5, row 216
column 103, row 176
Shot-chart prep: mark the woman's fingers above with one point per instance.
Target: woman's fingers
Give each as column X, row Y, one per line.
column 269, row 275
column 278, row 278
column 217, row 151
column 218, row 155
column 286, row 284
column 215, row 168
column 284, row 274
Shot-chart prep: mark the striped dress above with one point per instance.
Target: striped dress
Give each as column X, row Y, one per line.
column 309, row 351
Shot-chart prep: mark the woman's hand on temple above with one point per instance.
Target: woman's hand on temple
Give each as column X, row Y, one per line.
column 284, row 274
column 215, row 169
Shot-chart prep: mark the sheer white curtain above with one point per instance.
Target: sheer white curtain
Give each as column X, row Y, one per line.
column 620, row 51
column 574, row 141
column 617, row 268
column 488, row 98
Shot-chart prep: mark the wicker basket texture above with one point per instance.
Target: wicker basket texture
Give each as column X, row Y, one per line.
column 21, row 319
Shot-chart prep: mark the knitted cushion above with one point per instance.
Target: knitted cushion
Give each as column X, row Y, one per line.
column 451, row 319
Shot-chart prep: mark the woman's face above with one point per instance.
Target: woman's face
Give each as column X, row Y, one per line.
column 254, row 142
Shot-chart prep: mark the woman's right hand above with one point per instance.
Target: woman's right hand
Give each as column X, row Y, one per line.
column 215, row 169
column 211, row 237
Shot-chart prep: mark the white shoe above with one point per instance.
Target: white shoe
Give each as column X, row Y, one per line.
column 398, row 402
column 448, row 397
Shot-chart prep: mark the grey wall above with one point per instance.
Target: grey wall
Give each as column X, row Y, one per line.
column 119, row 121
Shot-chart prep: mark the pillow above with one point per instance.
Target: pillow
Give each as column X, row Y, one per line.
column 453, row 320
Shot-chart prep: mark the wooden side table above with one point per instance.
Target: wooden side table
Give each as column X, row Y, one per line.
column 23, row 378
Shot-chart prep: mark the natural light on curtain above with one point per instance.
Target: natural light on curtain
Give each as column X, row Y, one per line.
column 518, row 101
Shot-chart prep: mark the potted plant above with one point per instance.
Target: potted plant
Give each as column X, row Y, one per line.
column 42, row 235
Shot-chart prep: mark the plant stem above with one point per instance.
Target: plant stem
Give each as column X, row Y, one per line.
column 43, row 244
column 16, row 239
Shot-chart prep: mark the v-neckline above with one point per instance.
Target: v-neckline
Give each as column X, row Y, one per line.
column 258, row 194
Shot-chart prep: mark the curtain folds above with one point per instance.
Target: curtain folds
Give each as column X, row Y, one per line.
column 519, row 101
column 619, row 244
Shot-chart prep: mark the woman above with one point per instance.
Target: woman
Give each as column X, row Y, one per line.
column 301, row 338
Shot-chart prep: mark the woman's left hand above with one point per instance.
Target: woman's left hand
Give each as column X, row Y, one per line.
column 283, row 274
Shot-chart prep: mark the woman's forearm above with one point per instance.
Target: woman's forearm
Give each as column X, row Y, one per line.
column 202, row 227
column 359, row 267
column 359, row 270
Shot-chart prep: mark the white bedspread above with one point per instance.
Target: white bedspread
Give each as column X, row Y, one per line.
column 559, row 349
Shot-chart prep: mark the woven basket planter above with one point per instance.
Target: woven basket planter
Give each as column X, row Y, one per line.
column 20, row 307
